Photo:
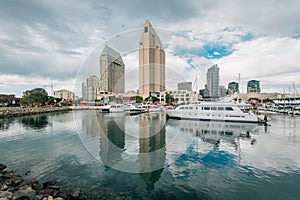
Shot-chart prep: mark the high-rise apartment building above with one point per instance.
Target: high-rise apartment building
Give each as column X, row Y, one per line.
column 91, row 86
column 233, row 87
column 253, row 86
column 112, row 70
column 151, row 62
column 83, row 90
column 212, row 79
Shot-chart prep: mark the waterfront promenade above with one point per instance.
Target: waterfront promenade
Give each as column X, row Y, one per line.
column 17, row 111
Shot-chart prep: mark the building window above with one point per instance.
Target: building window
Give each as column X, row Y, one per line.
column 146, row 29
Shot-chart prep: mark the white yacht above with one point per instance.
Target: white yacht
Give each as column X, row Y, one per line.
column 134, row 109
column 152, row 108
column 113, row 108
column 212, row 111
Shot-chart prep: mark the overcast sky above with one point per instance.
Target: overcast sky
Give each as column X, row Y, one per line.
column 59, row 42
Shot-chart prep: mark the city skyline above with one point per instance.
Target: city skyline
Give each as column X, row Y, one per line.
column 41, row 43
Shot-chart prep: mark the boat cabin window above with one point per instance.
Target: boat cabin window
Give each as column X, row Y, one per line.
column 181, row 108
column 191, row 108
column 206, row 108
column 213, row 108
column 220, row 108
column 229, row 108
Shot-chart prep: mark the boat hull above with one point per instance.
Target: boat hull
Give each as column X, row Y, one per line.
column 212, row 119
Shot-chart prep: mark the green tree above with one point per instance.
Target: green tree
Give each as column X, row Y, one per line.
column 152, row 98
column 169, row 99
column 53, row 100
column 36, row 96
column 138, row 99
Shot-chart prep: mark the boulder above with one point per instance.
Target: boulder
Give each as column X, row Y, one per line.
column 2, row 166
column 27, row 193
column 6, row 194
column 58, row 198
column 74, row 194
column 48, row 183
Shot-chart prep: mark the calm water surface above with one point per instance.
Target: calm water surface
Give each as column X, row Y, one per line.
column 147, row 157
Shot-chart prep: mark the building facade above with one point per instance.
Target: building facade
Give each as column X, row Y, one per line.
column 112, row 70
column 64, row 94
column 183, row 96
column 212, row 79
column 184, row 86
column 151, row 62
column 83, row 91
column 253, row 86
column 223, row 91
column 233, row 87
column 91, row 86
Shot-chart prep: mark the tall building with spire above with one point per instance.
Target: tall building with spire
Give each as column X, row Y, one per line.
column 112, row 70
column 151, row 62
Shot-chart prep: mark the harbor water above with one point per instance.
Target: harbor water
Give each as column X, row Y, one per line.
column 148, row 157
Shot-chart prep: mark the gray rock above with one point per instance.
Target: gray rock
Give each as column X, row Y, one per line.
column 39, row 197
column 28, row 193
column 4, row 187
column 6, row 194
column 48, row 183
column 75, row 193
column 2, row 166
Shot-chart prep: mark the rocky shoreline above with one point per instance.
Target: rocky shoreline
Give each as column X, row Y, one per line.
column 14, row 187
column 8, row 112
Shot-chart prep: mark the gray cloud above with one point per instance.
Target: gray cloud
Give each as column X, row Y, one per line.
column 52, row 38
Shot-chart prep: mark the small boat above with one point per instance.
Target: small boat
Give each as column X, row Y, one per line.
column 152, row 108
column 134, row 109
column 212, row 111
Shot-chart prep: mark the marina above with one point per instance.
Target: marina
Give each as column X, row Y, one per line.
column 139, row 156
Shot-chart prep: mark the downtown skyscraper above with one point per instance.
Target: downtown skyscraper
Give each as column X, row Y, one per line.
column 91, row 88
column 212, row 80
column 151, row 62
column 112, row 71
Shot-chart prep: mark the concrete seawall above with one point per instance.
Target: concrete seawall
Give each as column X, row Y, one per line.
column 7, row 112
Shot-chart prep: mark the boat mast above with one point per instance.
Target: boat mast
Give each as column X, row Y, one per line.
column 238, row 91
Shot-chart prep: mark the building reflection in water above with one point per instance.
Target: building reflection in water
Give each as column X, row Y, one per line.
column 112, row 138
column 90, row 124
column 152, row 150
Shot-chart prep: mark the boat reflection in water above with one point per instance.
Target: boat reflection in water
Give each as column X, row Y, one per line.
column 209, row 135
